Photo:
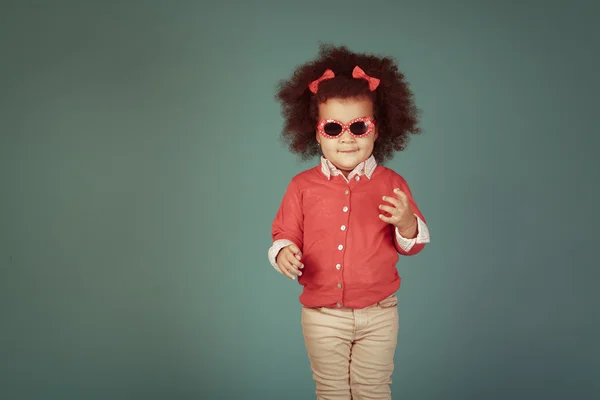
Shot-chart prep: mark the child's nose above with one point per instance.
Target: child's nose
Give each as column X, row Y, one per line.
column 346, row 135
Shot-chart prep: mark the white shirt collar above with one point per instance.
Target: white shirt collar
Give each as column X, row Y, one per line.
column 366, row 168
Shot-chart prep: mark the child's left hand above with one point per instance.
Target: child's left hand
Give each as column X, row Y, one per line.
column 401, row 214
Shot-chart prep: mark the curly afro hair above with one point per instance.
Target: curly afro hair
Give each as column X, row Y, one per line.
column 395, row 111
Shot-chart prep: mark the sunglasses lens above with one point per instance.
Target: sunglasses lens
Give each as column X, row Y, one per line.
column 359, row 128
column 332, row 129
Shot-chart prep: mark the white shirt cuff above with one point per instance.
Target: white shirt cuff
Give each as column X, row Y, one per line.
column 422, row 236
column 274, row 250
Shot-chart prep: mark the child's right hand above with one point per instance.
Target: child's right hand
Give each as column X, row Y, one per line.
column 289, row 261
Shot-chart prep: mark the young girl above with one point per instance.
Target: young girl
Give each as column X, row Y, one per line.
column 342, row 224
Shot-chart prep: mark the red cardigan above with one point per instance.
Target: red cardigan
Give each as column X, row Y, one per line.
column 349, row 254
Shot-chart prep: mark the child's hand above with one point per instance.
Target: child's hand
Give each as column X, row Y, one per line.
column 288, row 261
column 401, row 214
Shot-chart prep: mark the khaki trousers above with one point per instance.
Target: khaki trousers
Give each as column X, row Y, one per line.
column 351, row 352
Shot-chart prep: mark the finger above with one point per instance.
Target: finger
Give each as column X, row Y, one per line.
column 400, row 193
column 392, row 200
column 403, row 197
column 389, row 220
column 296, row 253
column 297, row 256
column 294, row 249
column 284, row 270
column 294, row 263
column 292, row 269
column 390, row 210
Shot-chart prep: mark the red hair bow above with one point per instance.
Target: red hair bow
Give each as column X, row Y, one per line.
column 358, row 73
column 314, row 85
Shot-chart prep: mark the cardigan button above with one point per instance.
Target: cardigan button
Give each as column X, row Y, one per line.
column 339, row 304
column 339, row 285
column 357, row 178
column 338, row 266
column 343, row 227
column 345, row 209
column 347, row 191
column 340, row 247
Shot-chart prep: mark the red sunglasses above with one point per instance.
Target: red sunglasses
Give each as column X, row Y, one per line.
column 358, row 127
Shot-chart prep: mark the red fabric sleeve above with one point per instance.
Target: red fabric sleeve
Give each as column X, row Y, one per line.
column 288, row 223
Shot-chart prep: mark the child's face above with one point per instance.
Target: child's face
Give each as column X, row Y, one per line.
column 346, row 151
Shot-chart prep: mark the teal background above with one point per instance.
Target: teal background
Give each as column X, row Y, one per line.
column 141, row 169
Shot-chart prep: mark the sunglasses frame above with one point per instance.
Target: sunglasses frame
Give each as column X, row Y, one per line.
column 346, row 127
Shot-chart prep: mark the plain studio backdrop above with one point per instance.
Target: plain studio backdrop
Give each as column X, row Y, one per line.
column 141, row 169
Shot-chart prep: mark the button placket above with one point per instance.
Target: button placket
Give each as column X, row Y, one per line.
column 343, row 235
